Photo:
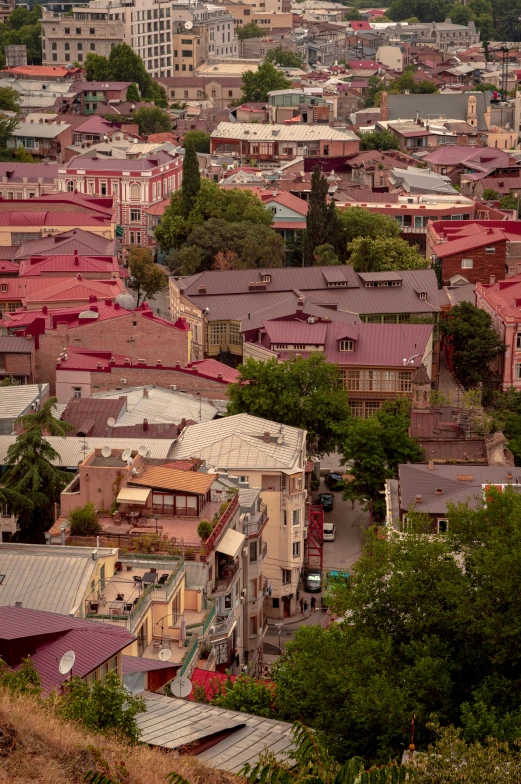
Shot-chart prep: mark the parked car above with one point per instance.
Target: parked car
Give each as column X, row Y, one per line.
column 313, row 581
column 334, row 481
column 326, row 501
column 329, row 532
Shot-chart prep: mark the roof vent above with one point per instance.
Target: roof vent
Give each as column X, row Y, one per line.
column 418, row 499
column 267, row 437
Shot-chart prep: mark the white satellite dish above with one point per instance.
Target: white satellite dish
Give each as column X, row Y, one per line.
column 106, row 451
column 189, row 25
column 142, row 450
column 67, row 662
column 126, row 453
column 111, row 421
column 181, row 687
column 165, row 654
column 129, row 461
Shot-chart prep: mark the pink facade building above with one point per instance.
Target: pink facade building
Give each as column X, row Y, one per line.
column 502, row 301
column 135, row 185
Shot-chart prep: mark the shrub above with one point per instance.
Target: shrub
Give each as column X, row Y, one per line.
column 84, row 521
column 204, row 529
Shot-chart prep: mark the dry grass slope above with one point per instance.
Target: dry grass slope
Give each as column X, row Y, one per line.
column 38, row 748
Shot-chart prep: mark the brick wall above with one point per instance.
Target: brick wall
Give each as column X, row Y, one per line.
column 485, row 264
column 21, row 365
column 136, row 377
column 150, row 340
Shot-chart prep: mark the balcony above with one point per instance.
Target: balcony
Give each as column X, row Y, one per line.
column 228, row 571
column 223, row 628
column 255, row 522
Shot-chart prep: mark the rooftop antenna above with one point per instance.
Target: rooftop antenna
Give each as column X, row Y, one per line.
column 84, row 448
column 67, row 663
column 106, row 451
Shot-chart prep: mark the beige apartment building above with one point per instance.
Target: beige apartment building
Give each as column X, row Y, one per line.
column 258, row 454
column 194, row 87
column 245, row 14
column 67, row 39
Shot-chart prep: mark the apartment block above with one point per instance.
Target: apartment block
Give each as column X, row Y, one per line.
column 68, row 39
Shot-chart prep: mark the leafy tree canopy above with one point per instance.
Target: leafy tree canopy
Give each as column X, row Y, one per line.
column 9, row 99
column 7, row 126
column 325, row 255
column 305, row 393
column 152, row 119
column 133, row 93
column 323, row 225
column 359, row 222
column 474, row 343
column 245, row 694
column 84, row 521
column 250, row 30
column 200, row 139
column 489, row 194
column 257, row 84
column 124, row 65
column 379, row 140
column 285, row 58
column 191, row 179
column 146, row 277
column 384, row 253
column 22, row 27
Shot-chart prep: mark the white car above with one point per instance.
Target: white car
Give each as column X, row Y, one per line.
column 329, row 532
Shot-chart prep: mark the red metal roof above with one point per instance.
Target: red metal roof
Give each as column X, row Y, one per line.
column 488, row 157
column 287, row 200
column 42, row 71
column 35, row 266
column 52, row 218
column 477, row 240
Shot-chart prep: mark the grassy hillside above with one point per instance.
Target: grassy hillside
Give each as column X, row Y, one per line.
column 37, row 747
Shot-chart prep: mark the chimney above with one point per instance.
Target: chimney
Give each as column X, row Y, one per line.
column 431, row 465
column 439, row 491
column 80, row 277
column 145, row 423
column 108, row 303
column 76, row 259
column 145, row 392
column 116, row 305
column 19, row 604
column 92, row 297
column 418, row 499
column 267, row 437
column 45, row 309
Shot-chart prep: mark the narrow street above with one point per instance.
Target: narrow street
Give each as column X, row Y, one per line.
column 340, row 554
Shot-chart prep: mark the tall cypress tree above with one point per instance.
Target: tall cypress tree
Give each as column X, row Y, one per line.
column 191, row 177
column 318, row 216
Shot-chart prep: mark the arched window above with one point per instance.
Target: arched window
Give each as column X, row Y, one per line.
column 135, row 191
column 71, row 186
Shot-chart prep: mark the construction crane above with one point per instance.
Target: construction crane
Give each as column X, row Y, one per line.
column 504, row 50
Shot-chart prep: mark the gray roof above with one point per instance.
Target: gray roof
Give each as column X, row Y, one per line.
column 417, row 180
column 431, row 105
column 162, row 405
column 15, row 401
column 13, row 345
column 236, row 442
column 71, row 449
column 40, row 130
column 53, row 579
column 286, row 133
column 458, row 484
column 173, row 724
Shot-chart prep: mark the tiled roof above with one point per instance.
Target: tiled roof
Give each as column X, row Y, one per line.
column 477, row 240
column 47, row 636
column 172, row 479
column 80, row 86
column 41, row 71
column 95, row 124
column 287, row 200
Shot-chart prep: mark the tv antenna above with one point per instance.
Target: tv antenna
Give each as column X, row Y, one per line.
column 106, row 451
column 67, row 663
column 181, row 687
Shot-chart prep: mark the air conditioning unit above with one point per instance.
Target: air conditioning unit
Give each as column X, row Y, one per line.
column 142, row 362
column 122, row 380
column 173, row 387
column 245, row 551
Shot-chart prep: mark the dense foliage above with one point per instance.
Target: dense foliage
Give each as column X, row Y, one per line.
column 257, row 84
column 146, row 277
column 250, row 30
column 432, row 627
column 498, row 21
column 473, row 342
column 23, row 28
column 124, row 65
column 369, row 254
column 379, row 140
column 305, row 393
column 84, row 521
column 200, row 139
column 285, row 58
column 152, row 119
column 322, row 221
column 507, row 418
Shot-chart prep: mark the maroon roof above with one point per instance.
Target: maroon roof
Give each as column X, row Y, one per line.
column 86, row 243
column 47, row 636
column 137, row 664
column 96, row 411
column 462, row 244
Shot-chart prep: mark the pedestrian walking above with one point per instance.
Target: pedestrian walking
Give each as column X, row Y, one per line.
column 305, row 606
column 313, row 604
column 302, row 605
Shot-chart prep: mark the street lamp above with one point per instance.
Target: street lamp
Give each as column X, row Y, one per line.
column 279, row 627
column 156, row 518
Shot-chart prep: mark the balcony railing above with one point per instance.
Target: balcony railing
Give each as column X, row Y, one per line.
column 200, row 630
column 223, row 628
column 221, row 525
column 256, row 522
column 223, row 583
column 190, row 658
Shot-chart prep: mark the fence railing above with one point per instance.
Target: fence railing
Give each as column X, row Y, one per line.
column 188, row 661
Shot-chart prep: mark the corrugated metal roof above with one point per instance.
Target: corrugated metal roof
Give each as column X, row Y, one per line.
column 174, row 724
column 137, row 664
column 463, row 244
column 65, row 243
column 16, row 172
column 40, row 130
column 53, row 579
column 171, row 479
column 237, row 442
column 272, row 132
column 160, row 158
column 14, row 401
column 11, row 345
column 71, row 449
column 161, row 406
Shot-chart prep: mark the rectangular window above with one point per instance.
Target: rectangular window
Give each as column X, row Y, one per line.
column 296, row 517
column 467, row 263
column 286, row 576
column 77, row 392
column 357, row 408
column 252, row 589
column 353, row 380
column 135, row 216
column 296, row 549
column 253, row 552
column 253, row 626
column 347, row 345
column 518, row 340
column 443, row 526
column 404, row 381
column 342, row 375
column 490, row 249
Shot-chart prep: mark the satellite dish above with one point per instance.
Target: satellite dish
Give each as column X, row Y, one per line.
column 142, row 450
column 126, row 453
column 181, row 687
column 106, row 451
column 67, row 662
column 129, row 461
column 111, row 421
column 165, row 654
column 189, row 25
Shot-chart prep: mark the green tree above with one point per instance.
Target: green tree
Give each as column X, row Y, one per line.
column 9, row 100
column 473, row 341
column 257, row 84
column 126, row 65
column 353, row 15
column 152, row 119
column 146, row 277
column 482, row 87
column 325, row 255
column 84, row 521
column 22, row 156
column 317, row 218
column 32, row 472
column 305, row 393
column 97, row 68
column 102, row 706
column 246, row 695
column 9, row 381
column 379, row 140
column 24, row 680
column 204, row 529
column 284, row 58
column 310, row 760
column 359, row 222
column 132, row 93
column 250, row 30
column 489, row 194
column 7, row 126
column 384, row 253
column 507, row 418
column 191, row 178
column 200, row 139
